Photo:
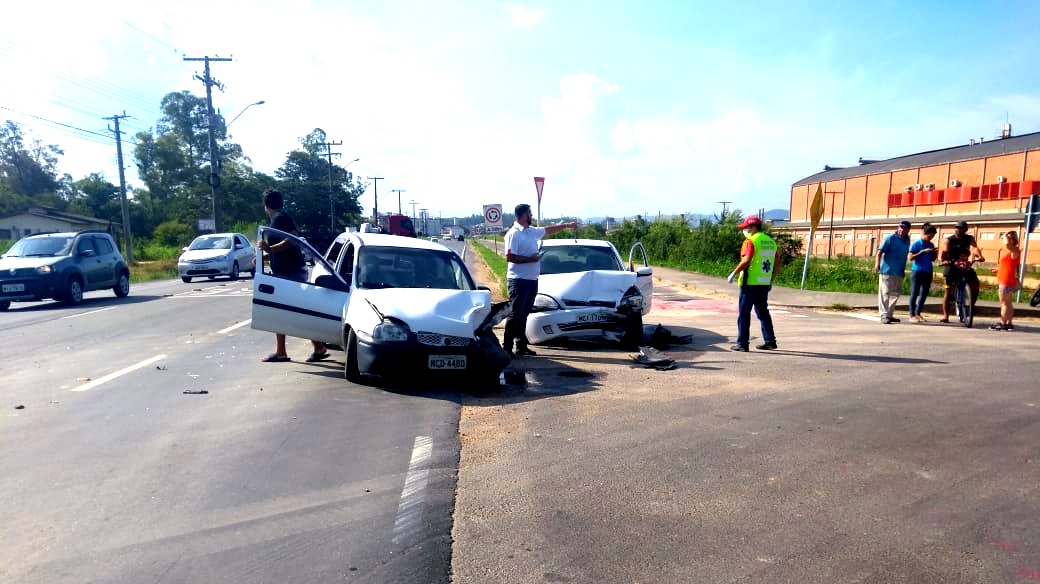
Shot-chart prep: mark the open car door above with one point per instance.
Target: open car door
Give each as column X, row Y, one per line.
column 312, row 309
column 644, row 275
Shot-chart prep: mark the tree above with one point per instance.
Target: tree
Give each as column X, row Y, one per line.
column 304, row 180
column 93, row 195
column 28, row 167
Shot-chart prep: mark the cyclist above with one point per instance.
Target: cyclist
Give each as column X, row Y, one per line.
column 959, row 249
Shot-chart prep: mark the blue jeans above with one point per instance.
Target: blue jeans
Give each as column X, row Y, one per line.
column 920, row 283
column 521, row 295
column 756, row 297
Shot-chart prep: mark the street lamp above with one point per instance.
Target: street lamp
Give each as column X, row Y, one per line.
column 261, row 102
column 332, row 207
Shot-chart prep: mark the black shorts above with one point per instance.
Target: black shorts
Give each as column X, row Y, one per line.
column 953, row 275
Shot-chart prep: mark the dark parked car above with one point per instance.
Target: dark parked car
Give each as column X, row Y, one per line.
column 62, row 266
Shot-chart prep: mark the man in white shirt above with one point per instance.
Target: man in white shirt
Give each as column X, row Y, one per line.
column 521, row 243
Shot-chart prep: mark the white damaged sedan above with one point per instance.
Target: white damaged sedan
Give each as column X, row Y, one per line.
column 396, row 305
column 585, row 292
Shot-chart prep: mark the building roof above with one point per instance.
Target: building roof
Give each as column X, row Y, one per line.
column 52, row 213
column 995, row 147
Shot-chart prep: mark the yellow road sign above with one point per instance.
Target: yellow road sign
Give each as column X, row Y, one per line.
column 816, row 208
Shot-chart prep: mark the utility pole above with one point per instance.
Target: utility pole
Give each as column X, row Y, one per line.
column 332, row 207
column 128, row 244
column 725, row 206
column 415, row 218
column 214, row 162
column 830, row 230
column 424, row 216
column 399, row 191
column 375, row 203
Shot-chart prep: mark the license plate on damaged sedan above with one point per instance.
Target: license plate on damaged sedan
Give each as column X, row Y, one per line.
column 447, row 362
column 13, row 288
column 592, row 317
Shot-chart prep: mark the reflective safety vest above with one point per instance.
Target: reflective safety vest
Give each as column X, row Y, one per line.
column 760, row 271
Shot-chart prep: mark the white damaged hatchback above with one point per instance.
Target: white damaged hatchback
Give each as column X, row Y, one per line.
column 585, row 292
column 396, row 305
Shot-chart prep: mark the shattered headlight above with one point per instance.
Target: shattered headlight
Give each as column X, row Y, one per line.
column 543, row 302
column 390, row 331
column 632, row 301
column 45, row 269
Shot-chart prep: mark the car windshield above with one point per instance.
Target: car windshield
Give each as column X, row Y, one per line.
column 566, row 259
column 400, row 267
column 211, row 242
column 41, row 247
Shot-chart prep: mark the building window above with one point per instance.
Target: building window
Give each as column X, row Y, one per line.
column 839, row 236
column 988, row 236
column 823, row 236
column 862, row 236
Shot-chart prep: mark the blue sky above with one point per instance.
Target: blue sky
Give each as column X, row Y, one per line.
column 624, row 107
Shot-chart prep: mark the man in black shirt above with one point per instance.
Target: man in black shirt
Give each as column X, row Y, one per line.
column 286, row 262
column 960, row 246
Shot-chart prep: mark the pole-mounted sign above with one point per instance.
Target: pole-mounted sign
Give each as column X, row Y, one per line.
column 539, row 183
column 493, row 216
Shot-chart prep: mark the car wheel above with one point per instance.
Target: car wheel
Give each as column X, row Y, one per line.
column 73, row 291
column 234, row 271
column 350, row 364
column 122, row 287
column 186, row 279
column 633, row 335
column 4, row 305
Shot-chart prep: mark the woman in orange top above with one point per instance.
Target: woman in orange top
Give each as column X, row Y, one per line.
column 1007, row 279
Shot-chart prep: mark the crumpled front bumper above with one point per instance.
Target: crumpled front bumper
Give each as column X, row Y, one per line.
column 484, row 357
column 575, row 323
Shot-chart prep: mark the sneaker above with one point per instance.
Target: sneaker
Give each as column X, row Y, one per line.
column 766, row 346
column 1009, row 327
column 886, row 320
column 921, row 318
column 739, row 348
column 997, row 327
column 893, row 319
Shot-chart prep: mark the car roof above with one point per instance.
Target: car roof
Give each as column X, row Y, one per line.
column 585, row 242
column 384, row 240
column 219, row 235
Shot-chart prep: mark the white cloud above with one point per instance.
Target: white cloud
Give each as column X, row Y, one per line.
column 524, row 16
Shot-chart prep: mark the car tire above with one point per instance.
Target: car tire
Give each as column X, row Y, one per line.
column 122, row 287
column 234, row 271
column 633, row 335
column 186, row 279
column 252, row 274
column 4, row 305
column 73, row 294
column 350, row 363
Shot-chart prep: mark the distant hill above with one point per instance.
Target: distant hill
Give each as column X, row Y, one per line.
column 774, row 214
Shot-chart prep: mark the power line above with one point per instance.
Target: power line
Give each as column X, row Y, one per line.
column 329, row 153
column 214, row 168
column 54, row 122
column 154, row 38
column 128, row 246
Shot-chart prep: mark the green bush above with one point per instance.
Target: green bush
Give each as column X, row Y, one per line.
column 5, row 245
column 147, row 250
column 174, row 233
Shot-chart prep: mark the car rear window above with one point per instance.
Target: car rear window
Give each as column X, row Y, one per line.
column 567, row 259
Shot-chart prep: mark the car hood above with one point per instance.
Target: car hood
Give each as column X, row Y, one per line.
column 15, row 263
column 204, row 254
column 592, row 286
column 449, row 312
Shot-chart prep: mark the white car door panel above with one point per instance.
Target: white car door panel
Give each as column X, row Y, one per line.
column 310, row 310
column 644, row 276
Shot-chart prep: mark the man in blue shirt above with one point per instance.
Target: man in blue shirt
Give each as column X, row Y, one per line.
column 922, row 254
column 890, row 263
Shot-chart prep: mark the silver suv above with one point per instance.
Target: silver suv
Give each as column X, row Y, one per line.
column 62, row 266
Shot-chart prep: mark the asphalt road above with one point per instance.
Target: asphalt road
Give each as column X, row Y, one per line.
column 280, row 473
column 858, row 452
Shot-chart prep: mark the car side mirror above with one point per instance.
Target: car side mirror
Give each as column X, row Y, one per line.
column 331, row 282
column 645, row 271
column 86, row 253
column 185, row 248
column 239, row 246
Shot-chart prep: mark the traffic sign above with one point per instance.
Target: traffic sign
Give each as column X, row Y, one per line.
column 816, row 208
column 493, row 216
column 539, row 183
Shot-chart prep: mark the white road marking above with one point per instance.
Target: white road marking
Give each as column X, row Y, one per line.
column 121, row 372
column 798, row 316
column 88, row 312
column 234, row 326
column 780, row 311
column 410, row 509
column 873, row 317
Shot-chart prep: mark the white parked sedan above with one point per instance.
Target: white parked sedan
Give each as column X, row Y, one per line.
column 217, row 254
column 585, row 292
column 397, row 306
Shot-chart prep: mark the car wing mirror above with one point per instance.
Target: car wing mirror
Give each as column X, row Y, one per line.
column 185, row 248
column 645, row 271
column 331, row 282
column 86, row 253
